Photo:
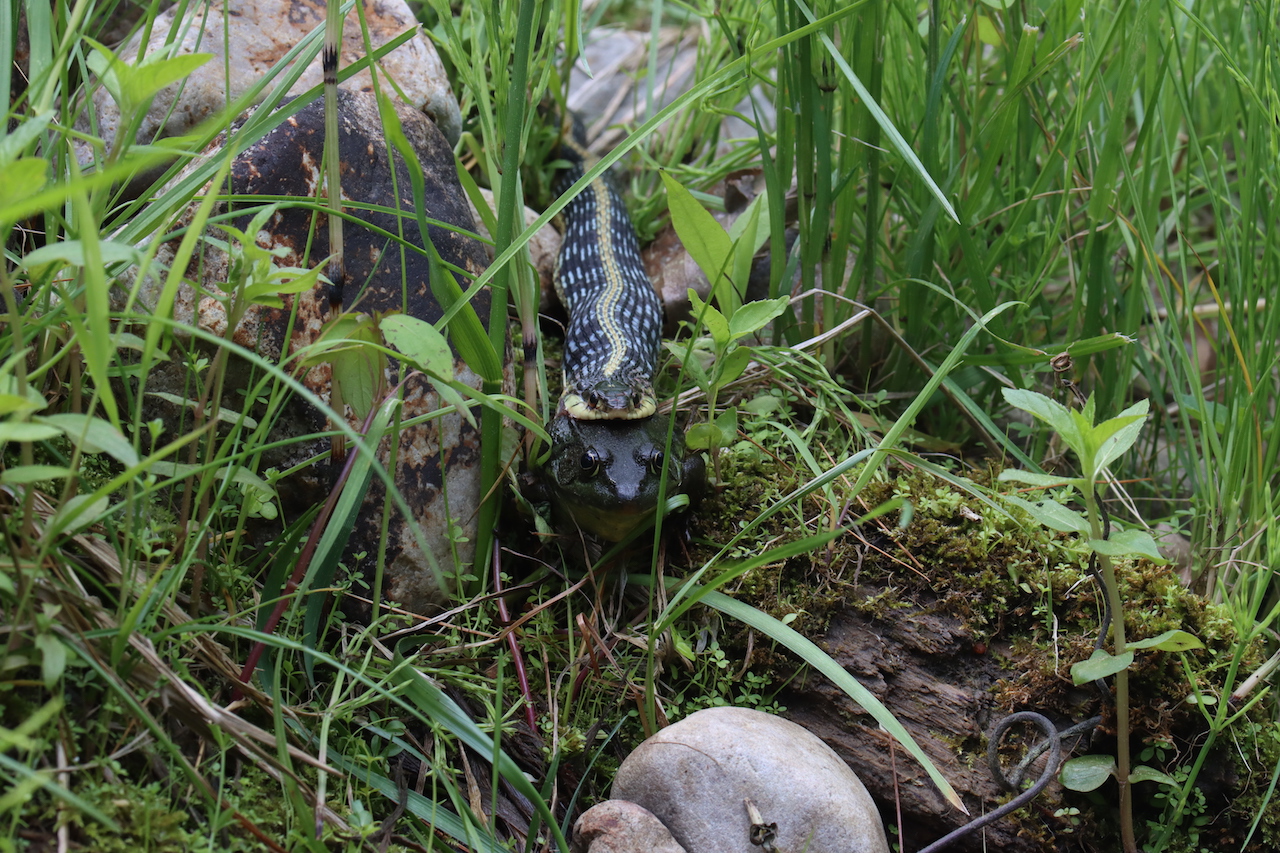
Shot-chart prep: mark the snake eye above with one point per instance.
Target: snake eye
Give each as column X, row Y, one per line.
column 590, row 463
column 592, row 399
column 636, row 399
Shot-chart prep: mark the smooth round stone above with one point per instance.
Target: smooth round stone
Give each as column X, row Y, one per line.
column 617, row 826
column 702, row 775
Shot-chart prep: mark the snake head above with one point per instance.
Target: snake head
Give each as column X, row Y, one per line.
column 610, row 400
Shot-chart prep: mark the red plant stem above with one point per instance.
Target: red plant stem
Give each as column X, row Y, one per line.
column 304, row 559
column 521, row 675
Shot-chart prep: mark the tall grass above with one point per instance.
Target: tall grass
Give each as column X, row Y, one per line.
column 1105, row 171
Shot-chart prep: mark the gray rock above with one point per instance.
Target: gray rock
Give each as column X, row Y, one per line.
column 260, row 33
column 617, row 826
column 703, row 775
column 438, row 461
column 544, row 246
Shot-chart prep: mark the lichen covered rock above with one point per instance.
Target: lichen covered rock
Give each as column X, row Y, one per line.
column 247, row 39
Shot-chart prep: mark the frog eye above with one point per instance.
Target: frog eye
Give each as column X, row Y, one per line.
column 590, row 463
column 655, row 460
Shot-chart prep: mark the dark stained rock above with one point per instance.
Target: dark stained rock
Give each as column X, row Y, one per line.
column 437, row 461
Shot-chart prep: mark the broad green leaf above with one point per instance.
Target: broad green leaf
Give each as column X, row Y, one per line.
column 1118, row 434
column 15, row 141
column 702, row 437
column 1100, row 665
column 1052, row 514
column 988, row 33
column 705, row 239
column 1127, row 543
column 109, row 69
column 732, row 365
column 132, row 85
column 1174, row 640
column 693, row 366
column 279, row 282
column 95, row 436
column 19, row 181
column 754, row 316
column 727, row 427
column 465, row 329
column 23, row 475
column 1045, row 408
column 77, row 513
column 53, row 658
column 1086, row 773
column 25, row 431
column 153, row 74
column 1143, row 773
column 72, row 252
column 1213, row 414
column 420, row 342
column 358, row 368
column 11, row 403
column 717, row 325
column 1031, row 478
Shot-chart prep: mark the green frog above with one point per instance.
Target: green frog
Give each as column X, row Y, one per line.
column 604, row 474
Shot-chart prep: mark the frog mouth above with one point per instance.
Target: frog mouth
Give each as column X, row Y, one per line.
column 614, row 523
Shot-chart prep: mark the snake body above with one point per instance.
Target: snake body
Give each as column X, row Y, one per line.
column 615, row 319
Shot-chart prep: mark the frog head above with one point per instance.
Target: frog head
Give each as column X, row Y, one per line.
column 605, row 474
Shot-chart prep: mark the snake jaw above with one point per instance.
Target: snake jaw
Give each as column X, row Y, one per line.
column 610, row 400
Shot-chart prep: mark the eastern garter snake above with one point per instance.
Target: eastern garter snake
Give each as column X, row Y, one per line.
column 615, row 319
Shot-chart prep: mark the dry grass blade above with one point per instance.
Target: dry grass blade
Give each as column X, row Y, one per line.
column 149, row 675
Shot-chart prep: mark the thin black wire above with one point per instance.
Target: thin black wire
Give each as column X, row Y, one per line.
column 1054, row 741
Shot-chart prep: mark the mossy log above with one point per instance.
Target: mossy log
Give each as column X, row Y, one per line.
column 968, row 615
column 928, row 670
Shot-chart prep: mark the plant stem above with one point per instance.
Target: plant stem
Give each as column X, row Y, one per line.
column 1122, row 677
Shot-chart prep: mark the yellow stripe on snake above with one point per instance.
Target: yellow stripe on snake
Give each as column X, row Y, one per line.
column 615, row 319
